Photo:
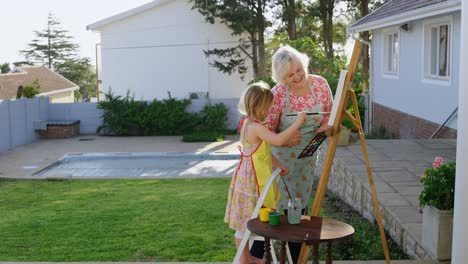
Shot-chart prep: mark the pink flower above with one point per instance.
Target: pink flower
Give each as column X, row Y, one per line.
column 437, row 162
column 422, row 176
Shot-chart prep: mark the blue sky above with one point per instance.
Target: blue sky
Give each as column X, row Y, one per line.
column 20, row 18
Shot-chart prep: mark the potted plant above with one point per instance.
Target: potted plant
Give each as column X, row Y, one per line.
column 437, row 200
column 345, row 132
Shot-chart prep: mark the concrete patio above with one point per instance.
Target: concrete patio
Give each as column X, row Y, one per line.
column 396, row 166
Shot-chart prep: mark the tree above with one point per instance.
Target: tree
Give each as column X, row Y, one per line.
column 5, row 67
column 243, row 17
column 51, row 46
column 359, row 9
column 288, row 13
column 326, row 8
column 82, row 73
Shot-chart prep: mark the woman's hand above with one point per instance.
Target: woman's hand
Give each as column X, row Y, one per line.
column 323, row 127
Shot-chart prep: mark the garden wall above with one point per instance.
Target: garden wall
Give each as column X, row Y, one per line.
column 18, row 117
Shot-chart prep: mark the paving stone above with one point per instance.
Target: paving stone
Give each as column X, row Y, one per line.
column 413, row 200
column 406, row 215
column 405, row 188
column 397, row 176
column 392, row 199
column 380, row 186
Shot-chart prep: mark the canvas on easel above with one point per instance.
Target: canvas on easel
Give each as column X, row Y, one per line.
column 342, row 96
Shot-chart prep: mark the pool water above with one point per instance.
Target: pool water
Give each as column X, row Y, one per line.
column 142, row 165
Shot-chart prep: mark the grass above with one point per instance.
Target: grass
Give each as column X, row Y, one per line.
column 133, row 220
column 366, row 243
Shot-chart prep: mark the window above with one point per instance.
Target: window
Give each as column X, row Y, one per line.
column 391, row 52
column 437, row 49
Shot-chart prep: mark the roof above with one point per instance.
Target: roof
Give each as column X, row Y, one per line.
column 126, row 14
column 50, row 82
column 395, row 12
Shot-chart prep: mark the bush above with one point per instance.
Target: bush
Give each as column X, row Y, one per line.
column 123, row 116
column 380, row 133
column 31, row 90
column 213, row 117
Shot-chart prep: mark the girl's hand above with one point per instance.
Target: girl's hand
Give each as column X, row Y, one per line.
column 284, row 170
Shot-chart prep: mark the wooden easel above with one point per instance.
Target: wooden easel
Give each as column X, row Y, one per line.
column 333, row 133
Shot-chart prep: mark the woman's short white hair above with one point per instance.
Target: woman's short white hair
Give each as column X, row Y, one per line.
column 281, row 62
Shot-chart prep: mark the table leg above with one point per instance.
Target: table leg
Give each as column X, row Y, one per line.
column 329, row 252
column 316, row 253
column 283, row 252
column 267, row 255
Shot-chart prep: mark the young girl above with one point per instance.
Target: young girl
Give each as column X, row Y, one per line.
column 256, row 163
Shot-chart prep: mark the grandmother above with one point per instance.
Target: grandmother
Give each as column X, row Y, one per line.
column 296, row 91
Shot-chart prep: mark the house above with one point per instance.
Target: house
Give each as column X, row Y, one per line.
column 415, row 61
column 51, row 84
column 157, row 48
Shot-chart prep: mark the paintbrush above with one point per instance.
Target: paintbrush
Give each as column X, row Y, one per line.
column 289, row 194
column 310, row 113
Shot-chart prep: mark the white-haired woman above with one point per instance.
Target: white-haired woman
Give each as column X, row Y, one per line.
column 296, row 91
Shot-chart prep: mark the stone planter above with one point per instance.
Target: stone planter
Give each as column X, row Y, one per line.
column 345, row 133
column 437, row 232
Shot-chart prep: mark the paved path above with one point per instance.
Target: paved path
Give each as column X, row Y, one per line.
column 396, row 167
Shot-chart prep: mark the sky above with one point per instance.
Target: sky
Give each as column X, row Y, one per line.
column 17, row 22
column 20, row 18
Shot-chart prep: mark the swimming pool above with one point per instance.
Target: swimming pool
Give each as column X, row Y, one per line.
column 142, row 165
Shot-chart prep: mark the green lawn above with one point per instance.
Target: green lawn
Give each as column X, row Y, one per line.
column 127, row 220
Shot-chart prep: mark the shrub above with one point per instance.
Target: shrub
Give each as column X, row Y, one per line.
column 31, row 90
column 213, row 117
column 123, row 116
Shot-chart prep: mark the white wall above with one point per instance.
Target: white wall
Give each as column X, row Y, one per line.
column 161, row 50
column 409, row 93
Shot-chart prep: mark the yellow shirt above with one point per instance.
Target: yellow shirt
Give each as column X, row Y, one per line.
column 263, row 167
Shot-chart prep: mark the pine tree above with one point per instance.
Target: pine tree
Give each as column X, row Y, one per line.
column 51, row 45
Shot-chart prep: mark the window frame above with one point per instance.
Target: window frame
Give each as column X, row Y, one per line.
column 428, row 25
column 385, row 57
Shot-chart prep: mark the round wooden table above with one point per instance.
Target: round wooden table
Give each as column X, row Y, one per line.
column 312, row 230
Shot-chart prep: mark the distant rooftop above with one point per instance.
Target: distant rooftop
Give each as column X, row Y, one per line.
column 49, row 81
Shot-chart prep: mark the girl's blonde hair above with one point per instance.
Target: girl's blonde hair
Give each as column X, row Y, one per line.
column 281, row 62
column 256, row 98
